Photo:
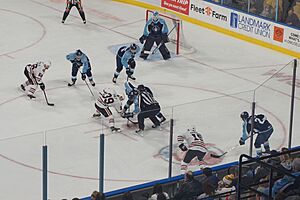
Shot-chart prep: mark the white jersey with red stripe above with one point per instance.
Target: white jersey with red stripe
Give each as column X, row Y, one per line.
column 193, row 139
column 105, row 100
column 37, row 71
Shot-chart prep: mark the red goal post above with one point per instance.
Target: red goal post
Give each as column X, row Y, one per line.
column 172, row 22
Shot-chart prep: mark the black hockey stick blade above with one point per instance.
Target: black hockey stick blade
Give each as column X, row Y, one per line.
column 50, row 104
column 218, row 156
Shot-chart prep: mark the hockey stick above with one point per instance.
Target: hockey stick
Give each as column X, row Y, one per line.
column 89, row 88
column 156, row 48
column 49, row 104
column 223, row 154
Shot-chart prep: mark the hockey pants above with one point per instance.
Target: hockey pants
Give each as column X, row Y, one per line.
column 162, row 49
column 150, row 112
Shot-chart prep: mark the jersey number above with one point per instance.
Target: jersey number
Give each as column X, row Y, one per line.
column 107, row 98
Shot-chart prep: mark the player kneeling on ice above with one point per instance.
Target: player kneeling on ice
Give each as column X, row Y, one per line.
column 79, row 59
column 261, row 126
column 34, row 74
column 155, row 30
column 106, row 100
column 125, row 58
column 194, row 147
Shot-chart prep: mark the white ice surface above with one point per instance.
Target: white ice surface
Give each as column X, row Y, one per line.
column 219, row 78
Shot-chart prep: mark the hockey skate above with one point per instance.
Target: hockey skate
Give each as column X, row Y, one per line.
column 132, row 77
column 23, row 87
column 31, row 96
column 92, row 83
column 63, row 21
column 71, row 84
column 96, row 115
column 114, row 129
column 114, row 80
column 84, row 21
column 140, row 132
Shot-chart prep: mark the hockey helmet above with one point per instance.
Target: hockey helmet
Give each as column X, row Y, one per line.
column 79, row 53
column 192, row 129
column 131, row 63
column 47, row 64
column 133, row 48
column 155, row 16
column 141, row 87
column 244, row 115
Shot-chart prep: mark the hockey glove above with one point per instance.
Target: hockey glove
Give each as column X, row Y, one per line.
column 42, row 86
column 142, row 39
column 83, row 76
column 128, row 72
column 242, row 142
column 183, row 147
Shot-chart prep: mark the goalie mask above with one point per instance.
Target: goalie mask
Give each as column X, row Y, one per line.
column 155, row 16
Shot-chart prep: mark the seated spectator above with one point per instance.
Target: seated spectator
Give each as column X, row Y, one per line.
column 127, row 196
column 268, row 11
column 263, row 188
column 158, row 193
column 208, row 190
column 273, row 7
column 281, row 183
column 189, row 189
column 292, row 19
column 211, row 178
column 225, row 185
column 256, row 6
column 97, row 196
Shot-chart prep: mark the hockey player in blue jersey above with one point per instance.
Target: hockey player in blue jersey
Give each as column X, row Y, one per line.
column 155, row 30
column 262, row 127
column 79, row 59
column 132, row 95
column 125, row 58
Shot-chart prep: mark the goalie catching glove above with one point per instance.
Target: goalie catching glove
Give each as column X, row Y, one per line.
column 142, row 39
column 183, row 147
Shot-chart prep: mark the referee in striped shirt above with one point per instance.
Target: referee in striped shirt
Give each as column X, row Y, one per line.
column 149, row 108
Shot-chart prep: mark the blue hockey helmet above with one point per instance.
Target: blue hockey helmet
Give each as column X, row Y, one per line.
column 133, row 48
column 155, row 16
column 244, row 115
column 79, row 53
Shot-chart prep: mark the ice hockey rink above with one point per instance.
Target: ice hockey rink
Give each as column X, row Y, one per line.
column 208, row 87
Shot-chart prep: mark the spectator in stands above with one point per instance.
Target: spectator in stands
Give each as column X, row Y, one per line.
column 285, row 160
column 256, row 6
column 208, row 190
column 189, row 189
column 273, row 7
column 268, row 11
column 281, row 183
column 286, row 6
column 292, row 19
column 97, row 196
column 225, row 187
column 127, row 196
column 263, row 188
column 158, row 193
column 211, row 178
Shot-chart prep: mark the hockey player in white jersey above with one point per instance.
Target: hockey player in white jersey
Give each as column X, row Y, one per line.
column 194, row 147
column 108, row 99
column 34, row 74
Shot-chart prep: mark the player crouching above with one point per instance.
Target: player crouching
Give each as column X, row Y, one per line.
column 34, row 74
column 106, row 100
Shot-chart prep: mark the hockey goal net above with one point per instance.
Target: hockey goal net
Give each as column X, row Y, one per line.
column 177, row 42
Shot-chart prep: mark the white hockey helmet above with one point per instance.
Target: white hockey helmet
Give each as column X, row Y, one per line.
column 155, row 16
column 192, row 129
